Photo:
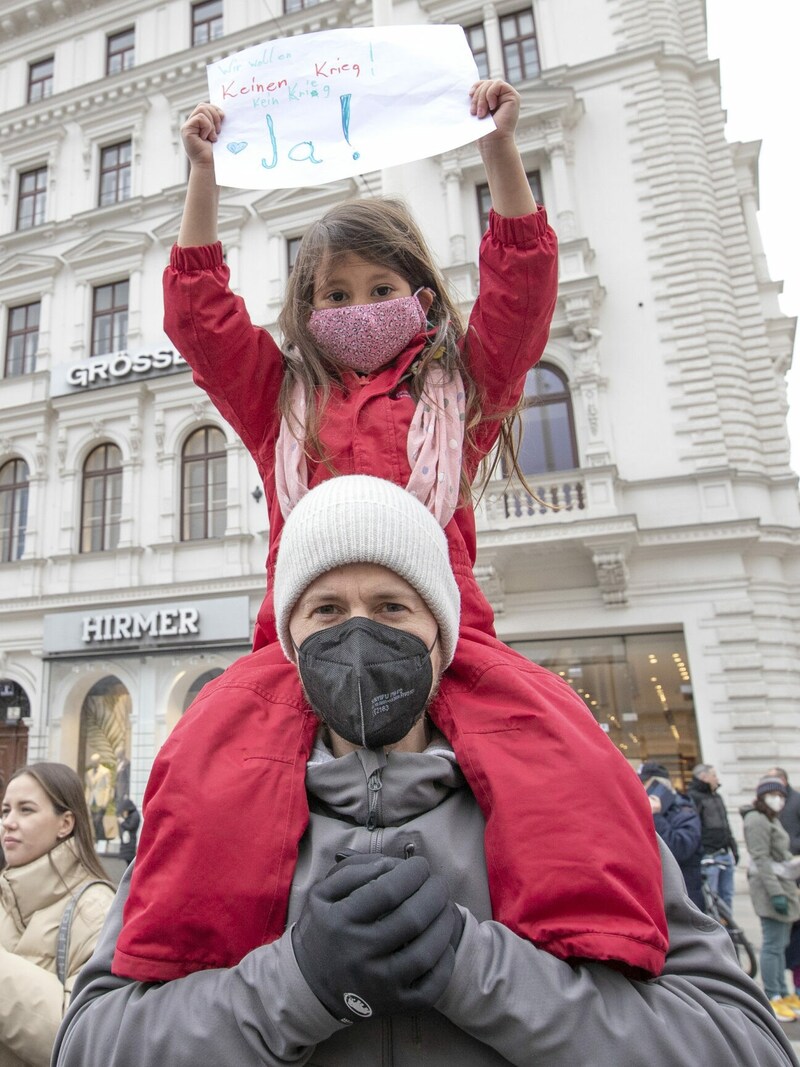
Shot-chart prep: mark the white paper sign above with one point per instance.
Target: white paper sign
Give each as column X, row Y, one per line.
column 301, row 111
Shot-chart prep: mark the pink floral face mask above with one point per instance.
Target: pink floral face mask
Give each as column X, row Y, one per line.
column 367, row 336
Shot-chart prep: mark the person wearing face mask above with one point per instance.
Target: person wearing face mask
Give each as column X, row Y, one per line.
column 52, row 882
column 386, row 945
column 773, row 890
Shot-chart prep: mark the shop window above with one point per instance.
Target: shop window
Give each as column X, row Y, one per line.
column 115, row 173
column 14, row 483
column 206, row 21
column 520, row 48
column 204, row 485
column 22, row 339
column 197, row 685
column 40, row 79
column 120, row 51
column 476, row 39
column 102, row 499
column 485, row 197
column 638, row 687
column 109, row 318
column 32, row 198
column 548, row 429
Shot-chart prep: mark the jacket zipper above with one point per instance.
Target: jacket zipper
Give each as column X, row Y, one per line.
column 374, row 785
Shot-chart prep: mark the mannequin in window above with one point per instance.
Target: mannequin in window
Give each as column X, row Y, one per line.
column 98, row 794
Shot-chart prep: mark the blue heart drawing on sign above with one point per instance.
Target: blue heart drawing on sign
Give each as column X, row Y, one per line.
column 236, row 147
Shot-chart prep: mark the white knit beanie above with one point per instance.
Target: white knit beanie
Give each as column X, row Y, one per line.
column 356, row 518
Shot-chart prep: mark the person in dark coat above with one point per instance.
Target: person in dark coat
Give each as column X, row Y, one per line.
column 790, row 820
column 718, row 841
column 677, row 824
column 128, row 819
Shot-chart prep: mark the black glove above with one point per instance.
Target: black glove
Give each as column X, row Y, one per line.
column 780, row 903
column 374, row 937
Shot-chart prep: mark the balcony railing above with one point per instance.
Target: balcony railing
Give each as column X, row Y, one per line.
column 563, row 496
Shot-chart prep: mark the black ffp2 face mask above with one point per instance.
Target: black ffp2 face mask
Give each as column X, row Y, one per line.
column 368, row 682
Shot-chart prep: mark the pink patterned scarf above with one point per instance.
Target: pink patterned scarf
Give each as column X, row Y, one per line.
column 435, row 446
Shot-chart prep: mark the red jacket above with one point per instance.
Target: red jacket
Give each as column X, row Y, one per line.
column 226, row 808
column 535, row 758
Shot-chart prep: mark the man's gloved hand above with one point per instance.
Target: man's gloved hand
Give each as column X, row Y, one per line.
column 375, row 937
column 780, row 903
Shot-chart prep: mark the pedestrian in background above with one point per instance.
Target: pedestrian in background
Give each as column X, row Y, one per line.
column 773, row 891
column 128, row 821
column 790, row 820
column 50, row 858
column 719, row 844
column 677, row 823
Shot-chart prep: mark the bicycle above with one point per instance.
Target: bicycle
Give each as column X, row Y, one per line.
column 719, row 910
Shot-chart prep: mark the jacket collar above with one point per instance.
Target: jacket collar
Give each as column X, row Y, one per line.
column 43, row 882
column 411, row 782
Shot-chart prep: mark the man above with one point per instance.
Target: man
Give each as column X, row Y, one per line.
column 677, row 824
column 390, row 952
column 720, row 852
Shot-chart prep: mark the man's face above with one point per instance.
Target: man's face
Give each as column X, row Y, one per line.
column 712, row 778
column 369, row 591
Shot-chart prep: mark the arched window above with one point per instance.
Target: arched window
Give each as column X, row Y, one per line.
column 13, row 509
column 198, row 683
column 204, row 485
column 102, row 499
column 548, row 437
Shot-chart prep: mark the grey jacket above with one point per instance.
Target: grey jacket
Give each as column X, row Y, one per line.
column 767, row 841
column 507, row 1002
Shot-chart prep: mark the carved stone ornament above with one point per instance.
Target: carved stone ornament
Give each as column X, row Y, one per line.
column 612, row 577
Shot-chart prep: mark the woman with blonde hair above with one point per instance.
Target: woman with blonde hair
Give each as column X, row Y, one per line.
column 54, row 895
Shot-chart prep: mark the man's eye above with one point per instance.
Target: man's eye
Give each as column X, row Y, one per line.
column 394, row 608
column 325, row 609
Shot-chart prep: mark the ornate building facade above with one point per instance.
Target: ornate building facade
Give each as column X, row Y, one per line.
column 662, row 581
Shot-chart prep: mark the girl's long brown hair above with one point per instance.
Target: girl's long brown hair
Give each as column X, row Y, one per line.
column 379, row 230
column 65, row 792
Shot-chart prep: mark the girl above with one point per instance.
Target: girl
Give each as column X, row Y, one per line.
column 47, row 838
column 378, row 377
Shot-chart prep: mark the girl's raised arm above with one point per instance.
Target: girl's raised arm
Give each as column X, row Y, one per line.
column 199, row 221
column 508, row 184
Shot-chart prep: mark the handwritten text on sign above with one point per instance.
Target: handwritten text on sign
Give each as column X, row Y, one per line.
column 305, row 110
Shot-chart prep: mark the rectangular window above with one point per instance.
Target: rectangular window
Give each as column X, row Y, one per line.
column 476, row 39
column 206, row 21
column 520, row 50
column 292, row 248
column 637, row 686
column 485, row 200
column 119, row 51
column 115, row 173
column 22, row 339
column 40, row 79
column 297, row 5
column 32, row 199
column 110, row 318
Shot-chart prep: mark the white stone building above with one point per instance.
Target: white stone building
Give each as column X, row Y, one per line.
column 133, row 533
